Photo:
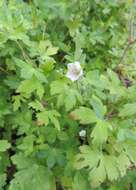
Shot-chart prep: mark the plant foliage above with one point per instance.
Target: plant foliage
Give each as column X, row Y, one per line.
column 42, row 112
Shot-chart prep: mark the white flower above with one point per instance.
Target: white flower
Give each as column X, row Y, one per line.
column 74, row 71
column 82, row 133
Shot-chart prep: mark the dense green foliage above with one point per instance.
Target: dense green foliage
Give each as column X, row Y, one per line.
column 59, row 134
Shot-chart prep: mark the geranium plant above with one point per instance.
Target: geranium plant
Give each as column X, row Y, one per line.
column 67, row 95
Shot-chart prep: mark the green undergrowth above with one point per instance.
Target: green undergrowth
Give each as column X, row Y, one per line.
column 63, row 134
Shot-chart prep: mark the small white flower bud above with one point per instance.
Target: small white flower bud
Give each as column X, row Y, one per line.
column 82, row 133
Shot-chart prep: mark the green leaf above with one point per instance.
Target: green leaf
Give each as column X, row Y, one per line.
column 51, row 51
column 98, row 175
column 49, row 116
column 100, row 165
column 17, row 102
column 21, row 161
column 98, row 107
column 128, row 110
column 4, row 145
column 57, row 87
column 114, row 78
column 46, row 49
column 36, row 105
column 84, row 115
column 100, row 132
column 28, row 86
column 27, row 144
column 3, row 178
column 80, row 182
column 130, row 150
column 28, row 71
column 35, row 177
column 123, row 163
column 87, row 158
column 110, row 163
column 43, row 117
column 124, row 134
column 55, row 121
column 70, row 101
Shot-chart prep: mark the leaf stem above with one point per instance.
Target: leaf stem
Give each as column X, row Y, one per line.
column 128, row 46
column 3, row 70
column 26, row 57
column 130, row 41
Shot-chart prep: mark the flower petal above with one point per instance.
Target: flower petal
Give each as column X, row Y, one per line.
column 74, row 71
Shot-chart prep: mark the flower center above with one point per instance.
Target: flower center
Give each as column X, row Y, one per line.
column 76, row 71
